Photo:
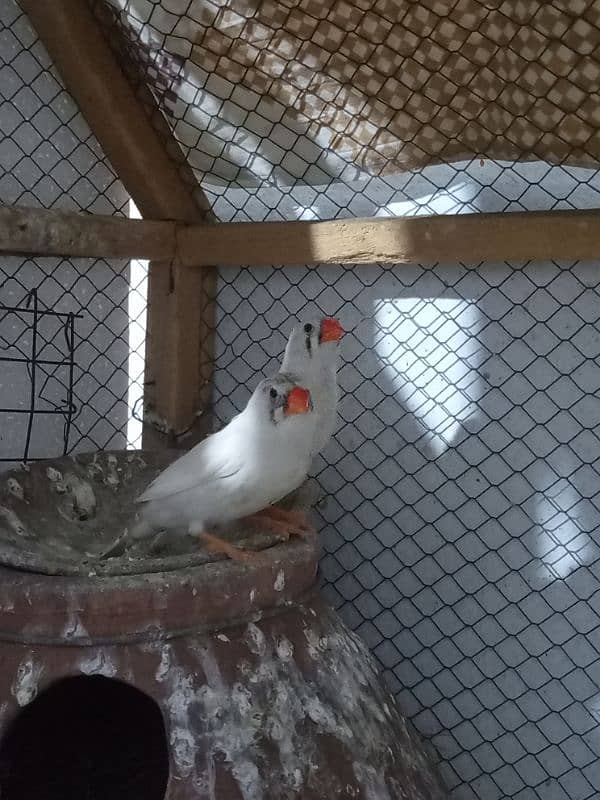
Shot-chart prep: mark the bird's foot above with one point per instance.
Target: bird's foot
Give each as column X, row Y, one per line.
column 217, row 545
column 282, row 523
column 117, row 548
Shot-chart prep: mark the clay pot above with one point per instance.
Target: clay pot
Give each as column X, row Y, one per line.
column 177, row 675
column 263, row 691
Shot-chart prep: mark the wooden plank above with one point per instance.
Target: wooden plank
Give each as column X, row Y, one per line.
column 571, row 235
column 177, row 375
column 518, row 236
column 37, row 231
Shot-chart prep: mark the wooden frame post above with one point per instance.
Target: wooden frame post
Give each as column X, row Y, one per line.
column 180, row 301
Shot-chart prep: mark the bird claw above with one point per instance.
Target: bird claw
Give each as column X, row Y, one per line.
column 118, row 548
column 300, row 526
column 215, row 544
column 285, row 534
column 282, row 523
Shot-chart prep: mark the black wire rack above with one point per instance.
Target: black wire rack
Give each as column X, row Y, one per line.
column 37, row 345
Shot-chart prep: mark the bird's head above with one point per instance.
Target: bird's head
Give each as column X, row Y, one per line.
column 301, row 348
column 282, row 399
column 307, row 342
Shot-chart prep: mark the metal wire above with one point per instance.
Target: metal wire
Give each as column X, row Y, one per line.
column 28, row 320
column 461, row 514
column 461, row 496
column 50, row 159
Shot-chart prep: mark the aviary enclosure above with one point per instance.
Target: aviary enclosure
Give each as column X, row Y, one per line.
column 427, row 173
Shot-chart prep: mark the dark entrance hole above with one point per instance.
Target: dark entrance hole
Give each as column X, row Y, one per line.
column 86, row 738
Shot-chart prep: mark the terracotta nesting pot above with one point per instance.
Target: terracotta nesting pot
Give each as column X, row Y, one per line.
column 259, row 688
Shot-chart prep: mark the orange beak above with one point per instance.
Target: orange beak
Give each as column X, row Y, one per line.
column 298, row 401
column 331, row 330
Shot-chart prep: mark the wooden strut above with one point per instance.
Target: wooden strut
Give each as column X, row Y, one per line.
column 515, row 236
column 180, row 301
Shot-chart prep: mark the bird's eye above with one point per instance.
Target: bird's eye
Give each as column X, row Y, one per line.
column 308, row 328
column 273, row 393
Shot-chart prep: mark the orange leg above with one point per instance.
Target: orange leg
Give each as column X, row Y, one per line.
column 217, row 545
column 280, row 522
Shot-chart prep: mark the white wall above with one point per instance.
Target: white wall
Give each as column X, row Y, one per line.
column 461, row 518
column 49, row 158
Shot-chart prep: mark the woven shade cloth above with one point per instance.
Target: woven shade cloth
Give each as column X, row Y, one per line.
column 365, row 88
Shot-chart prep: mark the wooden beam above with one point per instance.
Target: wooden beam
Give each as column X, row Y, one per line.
column 518, row 236
column 37, row 231
column 180, row 306
column 512, row 236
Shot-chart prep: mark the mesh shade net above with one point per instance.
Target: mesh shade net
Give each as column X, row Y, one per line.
column 306, row 91
column 460, row 503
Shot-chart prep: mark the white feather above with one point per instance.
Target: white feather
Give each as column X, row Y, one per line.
column 251, row 463
column 314, row 365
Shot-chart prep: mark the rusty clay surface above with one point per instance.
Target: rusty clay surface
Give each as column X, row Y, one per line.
column 287, row 707
column 72, row 610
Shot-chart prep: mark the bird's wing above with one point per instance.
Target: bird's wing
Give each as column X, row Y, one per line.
column 215, row 458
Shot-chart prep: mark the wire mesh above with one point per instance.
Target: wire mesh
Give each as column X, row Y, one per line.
column 305, row 92
column 49, row 158
column 38, row 359
column 460, row 510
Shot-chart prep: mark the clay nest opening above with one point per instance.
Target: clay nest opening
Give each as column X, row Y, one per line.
column 70, row 516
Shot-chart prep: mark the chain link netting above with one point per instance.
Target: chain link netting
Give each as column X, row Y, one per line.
column 50, row 159
column 461, row 492
column 304, row 91
column 461, row 496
